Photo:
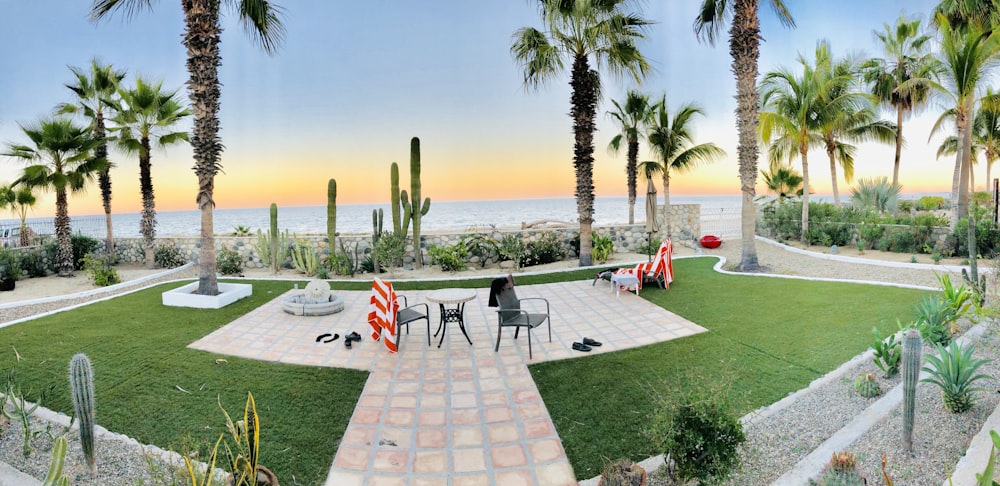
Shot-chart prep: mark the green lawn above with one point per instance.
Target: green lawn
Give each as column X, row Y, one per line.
column 138, row 351
column 776, row 335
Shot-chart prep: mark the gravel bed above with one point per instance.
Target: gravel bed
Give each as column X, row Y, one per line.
column 940, row 438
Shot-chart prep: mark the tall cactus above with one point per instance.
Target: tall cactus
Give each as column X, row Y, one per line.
column 397, row 200
column 911, row 375
column 414, row 207
column 331, row 215
column 376, row 236
column 81, row 381
column 275, row 264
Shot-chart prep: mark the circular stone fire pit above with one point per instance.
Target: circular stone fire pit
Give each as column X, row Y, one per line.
column 315, row 300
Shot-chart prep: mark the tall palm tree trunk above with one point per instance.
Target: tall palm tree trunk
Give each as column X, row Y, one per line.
column 833, row 175
column 104, row 181
column 147, row 223
column 584, row 109
column 64, row 250
column 990, row 158
column 201, row 37
column 744, row 48
column 899, row 145
column 666, row 201
column 804, row 153
column 631, row 171
column 966, row 162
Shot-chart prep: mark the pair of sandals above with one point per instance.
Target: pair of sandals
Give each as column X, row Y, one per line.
column 327, row 338
column 351, row 337
column 586, row 345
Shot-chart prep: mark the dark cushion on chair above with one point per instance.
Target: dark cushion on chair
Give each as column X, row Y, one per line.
column 408, row 315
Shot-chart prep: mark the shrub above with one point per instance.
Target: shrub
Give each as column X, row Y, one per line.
column 699, row 431
column 33, row 263
column 953, row 370
column 870, row 233
column 934, row 317
column 901, row 239
column 905, row 205
column 483, row 247
column 451, row 258
column 987, row 237
column 100, row 269
column 10, row 266
column 512, row 248
column 623, row 472
column 649, row 247
column 390, row 249
column 82, row 246
column 875, row 194
column 229, row 262
column 929, row 203
column 168, row 256
column 546, row 249
column 888, row 353
column 603, row 247
column 980, row 198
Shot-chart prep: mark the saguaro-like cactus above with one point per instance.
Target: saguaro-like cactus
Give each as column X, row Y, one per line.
column 413, row 206
column 275, row 264
column 331, row 214
column 911, row 375
column 81, row 381
column 376, row 236
column 399, row 204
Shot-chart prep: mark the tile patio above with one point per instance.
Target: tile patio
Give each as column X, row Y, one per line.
column 460, row 414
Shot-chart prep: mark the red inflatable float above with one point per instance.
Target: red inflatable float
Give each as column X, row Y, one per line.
column 709, row 241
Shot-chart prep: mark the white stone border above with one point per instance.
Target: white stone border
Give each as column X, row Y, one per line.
column 102, row 290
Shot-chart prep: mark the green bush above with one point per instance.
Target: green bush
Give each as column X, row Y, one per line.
column 701, row 435
column 980, row 198
column 10, row 265
column 483, row 247
column 229, row 262
column 929, row 203
column 987, row 237
column 82, row 246
column 451, row 258
column 649, row 247
column 390, row 249
column 33, row 263
column 905, row 205
column 934, row 319
column 512, row 248
column 168, row 256
column 954, row 371
column 902, row 239
column 888, row 353
column 870, row 233
column 100, row 269
column 603, row 247
column 546, row 249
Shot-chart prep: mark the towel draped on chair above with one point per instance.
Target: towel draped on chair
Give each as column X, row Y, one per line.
column 382, row 309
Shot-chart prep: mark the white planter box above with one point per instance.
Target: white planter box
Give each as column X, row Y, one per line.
column 184, row 296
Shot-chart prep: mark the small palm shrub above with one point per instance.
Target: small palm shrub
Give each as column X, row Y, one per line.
column 229, row 262
column 546, row 249
column 603, row 247
column 168, row 256
column 100, row 269
column 954, row 371
column 888, row 353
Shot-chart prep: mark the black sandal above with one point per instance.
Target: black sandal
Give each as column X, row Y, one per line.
column 334, row 338
column 580, row 347
column 321, row 336
column 591, row 342
column 347, row 343
column 353, row 337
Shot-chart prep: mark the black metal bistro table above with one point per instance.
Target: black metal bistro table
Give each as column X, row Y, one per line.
column 458, row 298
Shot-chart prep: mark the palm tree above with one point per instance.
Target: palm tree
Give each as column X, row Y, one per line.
column 876, row 194
column 202, row 36
column 632, row 117
column 966, row 57
column 744, row 46
column 670, row 140
column 579, row 31
column 95, row 92
column 907, row 57
column 782, row 180
column 19, row 199
column 986, row 132
column 61, row 158
column 148, row 116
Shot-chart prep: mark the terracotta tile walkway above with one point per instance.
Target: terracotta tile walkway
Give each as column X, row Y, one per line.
column 461, row 414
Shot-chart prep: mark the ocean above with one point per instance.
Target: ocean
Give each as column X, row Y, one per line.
column 357, row 218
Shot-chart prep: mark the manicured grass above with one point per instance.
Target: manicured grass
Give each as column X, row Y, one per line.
column 138, row 350
column 774, row 335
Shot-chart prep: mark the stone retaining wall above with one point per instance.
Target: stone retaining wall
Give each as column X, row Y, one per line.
column 685, row 225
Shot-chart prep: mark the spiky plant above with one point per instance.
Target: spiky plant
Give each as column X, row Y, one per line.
column 954, row 371
column 888, row 353
column 866, row 386
column 81, row 380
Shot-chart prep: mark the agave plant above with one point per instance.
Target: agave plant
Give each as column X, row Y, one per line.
column 960, row 299
column 934, row 317
column 954, row 371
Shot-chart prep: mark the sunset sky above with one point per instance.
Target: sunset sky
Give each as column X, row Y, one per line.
column 354, row 81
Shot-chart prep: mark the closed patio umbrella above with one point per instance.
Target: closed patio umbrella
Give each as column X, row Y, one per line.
column 652, row 225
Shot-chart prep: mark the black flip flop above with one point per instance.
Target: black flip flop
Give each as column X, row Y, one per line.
column 353, row 337
column 580, row 347
column 321, row 336
column 591, row 342
column 334, row 338
column 347, row 343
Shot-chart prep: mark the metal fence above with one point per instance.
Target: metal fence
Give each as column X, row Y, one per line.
column 721, row 222
column 40, row 228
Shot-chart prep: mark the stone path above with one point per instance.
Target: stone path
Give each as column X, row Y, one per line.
column 461, row 414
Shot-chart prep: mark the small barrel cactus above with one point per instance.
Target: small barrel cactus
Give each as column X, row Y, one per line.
column 866, row 386
column 622, row 472
column 81, row 381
